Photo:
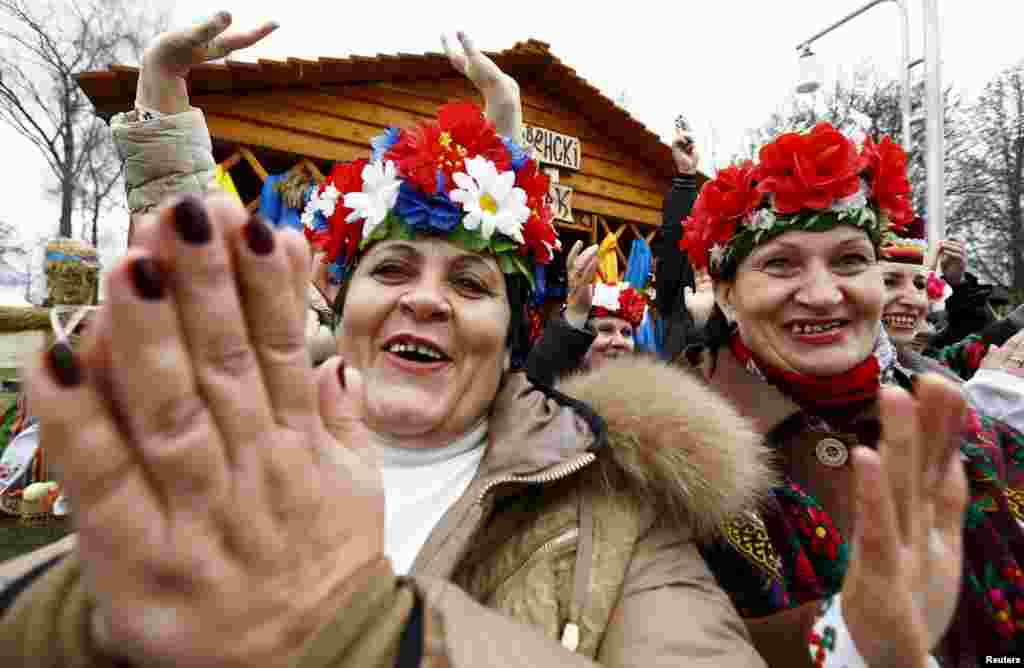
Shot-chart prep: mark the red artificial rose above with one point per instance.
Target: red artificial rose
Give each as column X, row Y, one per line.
column 702, row 232
column 540, row 235
column 631, row 307
column 535, row 183
column 416, row 154
column 890, row 188
column 340, row 241
column 461, row 132
column 809, row 171
column 936, row 287
column 731, row 194
column 539, row 231
column 466, row 124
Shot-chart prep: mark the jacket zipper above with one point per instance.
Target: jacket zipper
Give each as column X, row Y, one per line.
column 571, row 632
column 551, row 475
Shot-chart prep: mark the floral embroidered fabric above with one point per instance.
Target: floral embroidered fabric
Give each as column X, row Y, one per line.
column 793, row 554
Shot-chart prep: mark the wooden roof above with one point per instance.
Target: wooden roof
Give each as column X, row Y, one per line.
column 531, row 63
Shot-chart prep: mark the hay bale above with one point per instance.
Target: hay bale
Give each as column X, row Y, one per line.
column 72, row 271
column 23, row 318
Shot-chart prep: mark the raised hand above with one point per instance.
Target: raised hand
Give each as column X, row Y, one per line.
column 1008, row 357
column 953, row 261
column 901, row 591
column 684, row 152
column 500, row 91
column 223, row 493
column 169, row 58
column 582, row 267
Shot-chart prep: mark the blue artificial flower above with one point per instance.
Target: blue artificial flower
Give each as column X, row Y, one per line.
column 382, row 143
column 540, row 292
column 434, row 213
column 519, row 156
column 336, row 273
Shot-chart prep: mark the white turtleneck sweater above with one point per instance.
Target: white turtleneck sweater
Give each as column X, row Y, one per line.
column 419, row 488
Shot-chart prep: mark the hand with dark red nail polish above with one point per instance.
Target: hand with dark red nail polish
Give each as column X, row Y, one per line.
column 259, row 236
column 148, row 279
column 192, row 222
column 63, row 365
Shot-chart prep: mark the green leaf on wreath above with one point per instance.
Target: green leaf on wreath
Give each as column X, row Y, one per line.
column 467, row 239
column 501, row 244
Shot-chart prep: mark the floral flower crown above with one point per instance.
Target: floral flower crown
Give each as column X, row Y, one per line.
column 907, row 246
column 620, row 301
column 455, row 178
column 809, row 182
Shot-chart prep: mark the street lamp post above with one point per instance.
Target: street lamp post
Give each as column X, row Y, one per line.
column 935, row 157
column 933, row 101
column 804, row 46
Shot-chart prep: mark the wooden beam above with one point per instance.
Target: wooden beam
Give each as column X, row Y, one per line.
column 550, row 117
column 589, row 181
column 282, row 116
column 233, row 160
column 632, row 186
column 588, row 203
column 313, row 170
column 288, row 141
column 254, row 163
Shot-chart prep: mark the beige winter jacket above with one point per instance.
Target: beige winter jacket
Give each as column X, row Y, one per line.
column 560, row 543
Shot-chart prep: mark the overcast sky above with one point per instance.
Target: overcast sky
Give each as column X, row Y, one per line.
column 725, row 64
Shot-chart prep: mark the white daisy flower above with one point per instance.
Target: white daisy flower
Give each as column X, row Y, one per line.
column 324, row 202
column 379, row 194
column 491, row 200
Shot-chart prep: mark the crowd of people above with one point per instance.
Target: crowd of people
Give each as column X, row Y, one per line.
column 807, row 472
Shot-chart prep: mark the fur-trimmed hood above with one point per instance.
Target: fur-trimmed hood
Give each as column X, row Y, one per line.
column 677, row 444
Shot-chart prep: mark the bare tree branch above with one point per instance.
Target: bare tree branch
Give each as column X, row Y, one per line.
column 47, row 44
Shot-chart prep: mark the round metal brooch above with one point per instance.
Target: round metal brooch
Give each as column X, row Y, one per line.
column 832, row 452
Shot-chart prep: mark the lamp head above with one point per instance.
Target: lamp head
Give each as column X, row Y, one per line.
column 810, row 72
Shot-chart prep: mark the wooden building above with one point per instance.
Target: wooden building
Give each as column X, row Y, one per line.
column 270, row 117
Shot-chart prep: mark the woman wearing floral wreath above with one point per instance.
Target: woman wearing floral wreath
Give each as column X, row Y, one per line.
column 993, row 376
column 599, row 322
column 796, row 343
column 235, row 510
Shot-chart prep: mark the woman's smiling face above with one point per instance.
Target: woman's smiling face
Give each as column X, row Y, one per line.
column 808, row 302
column 613, row 338
column 426, row 323
column 906, row 301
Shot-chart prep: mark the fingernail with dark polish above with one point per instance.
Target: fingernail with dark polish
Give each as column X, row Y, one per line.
column 149, row 281
column 259, row 236
column 64, row 366
column 341, row 374
column 191, row 221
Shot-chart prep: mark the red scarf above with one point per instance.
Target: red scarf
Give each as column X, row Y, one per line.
column 819, row 394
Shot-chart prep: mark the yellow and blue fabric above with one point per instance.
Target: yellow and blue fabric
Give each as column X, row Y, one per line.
column 226, row 183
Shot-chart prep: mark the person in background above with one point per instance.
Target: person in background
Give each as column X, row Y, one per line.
column 673, row 273
column 598, row 323
column 967, row 308
column 796, row 343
